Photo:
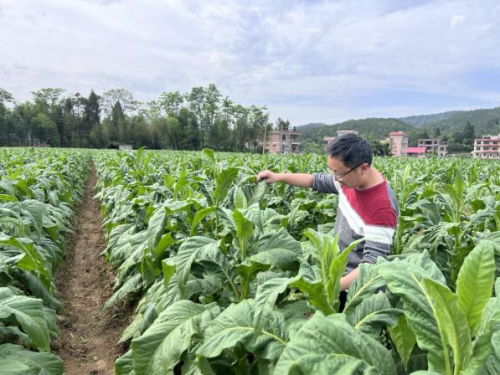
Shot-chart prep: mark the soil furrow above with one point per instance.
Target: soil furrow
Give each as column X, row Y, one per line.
column 88, row 337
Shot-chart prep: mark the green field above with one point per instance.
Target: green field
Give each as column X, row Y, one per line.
column 232, row 277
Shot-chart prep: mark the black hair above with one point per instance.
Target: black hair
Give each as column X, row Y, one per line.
column 350, row 149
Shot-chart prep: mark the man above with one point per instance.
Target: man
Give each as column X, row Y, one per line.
column 367, row 205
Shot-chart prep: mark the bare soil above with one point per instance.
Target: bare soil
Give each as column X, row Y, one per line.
column 88, row 337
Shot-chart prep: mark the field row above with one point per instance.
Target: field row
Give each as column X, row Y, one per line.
column 234, row 277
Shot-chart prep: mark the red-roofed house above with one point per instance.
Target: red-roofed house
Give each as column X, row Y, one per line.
column 416, row 152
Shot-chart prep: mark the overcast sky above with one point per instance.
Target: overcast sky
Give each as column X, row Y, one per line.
column 307, row 61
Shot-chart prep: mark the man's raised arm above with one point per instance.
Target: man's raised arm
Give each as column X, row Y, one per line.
column 296, row 179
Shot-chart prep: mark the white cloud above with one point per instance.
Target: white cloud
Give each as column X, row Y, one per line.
column 307, row 60
column 457, row 19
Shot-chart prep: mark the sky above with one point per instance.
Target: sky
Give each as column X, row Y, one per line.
column 306, row 61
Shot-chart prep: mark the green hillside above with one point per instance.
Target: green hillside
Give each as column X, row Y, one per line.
column 376, row 127
column 485, row 121
column 424, row 120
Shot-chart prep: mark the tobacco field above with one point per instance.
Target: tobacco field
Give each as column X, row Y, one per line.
column 227, row 276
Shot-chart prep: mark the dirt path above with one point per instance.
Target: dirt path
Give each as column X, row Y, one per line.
column 87, row 343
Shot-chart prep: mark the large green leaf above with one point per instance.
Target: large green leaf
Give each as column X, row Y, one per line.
column 278, row 249
column 244, row 230
column 199, row 216
column 475, row 283
column 235, row 325
column 367, row 283
column 332, row 336
column 132, row 285
column 223, row 182
column 36, row 363
column 258, row 193
column 209, row 154
column 452, row 322
column 125, row 364
column 240, row 201
column 374, row 313
column 323, row 287
column 29, row 313
column 403, row 338
column 265, row 300
column 188, row 252
column 248, row 271
column 32, row 260
column 424, row 262
column 486, row 351
column 36, row 287
column 156, row 227
column 315, row 294
column 161, row 346
column 432, row 313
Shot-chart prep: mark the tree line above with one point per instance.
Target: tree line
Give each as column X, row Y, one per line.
column 195, row 120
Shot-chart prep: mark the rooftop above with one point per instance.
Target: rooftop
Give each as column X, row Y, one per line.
column 416, row 150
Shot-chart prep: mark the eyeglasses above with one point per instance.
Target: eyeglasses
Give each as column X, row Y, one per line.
column 339, row 177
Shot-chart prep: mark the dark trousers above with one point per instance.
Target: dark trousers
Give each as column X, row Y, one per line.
column 342, row 299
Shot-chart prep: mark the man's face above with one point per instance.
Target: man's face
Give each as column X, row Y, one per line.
column 347, row 176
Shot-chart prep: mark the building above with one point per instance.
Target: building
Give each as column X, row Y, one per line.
column 487, row 147
column 398, row 144
column 434, row 145
column 416, row 152
column 125, row 147
column 340, row 133
column 284, row 142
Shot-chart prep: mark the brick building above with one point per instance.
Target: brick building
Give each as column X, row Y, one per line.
column 284, row 142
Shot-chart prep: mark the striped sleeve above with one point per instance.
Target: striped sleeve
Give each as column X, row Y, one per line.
column 324, row 183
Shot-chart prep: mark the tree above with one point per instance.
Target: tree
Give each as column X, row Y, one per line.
column 47, row 99
column 282, row 124
column 91, row 113
column 6, row 97
column 170, row 103
column 5, row 132
column 196, row 102
column 187, row 122
column 111, row 97
column 468, row 135
column 118, row 126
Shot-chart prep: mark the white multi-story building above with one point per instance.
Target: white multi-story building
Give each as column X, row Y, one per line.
column 487, row 147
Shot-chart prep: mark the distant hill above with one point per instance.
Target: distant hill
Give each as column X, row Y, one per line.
column 301, row 128
column 422, row 120
column 377, row 127
column 485, row 121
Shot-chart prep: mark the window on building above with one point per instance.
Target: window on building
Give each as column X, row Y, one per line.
column 283, row 137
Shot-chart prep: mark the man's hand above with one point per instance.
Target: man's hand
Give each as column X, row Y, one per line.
column 269, row 176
